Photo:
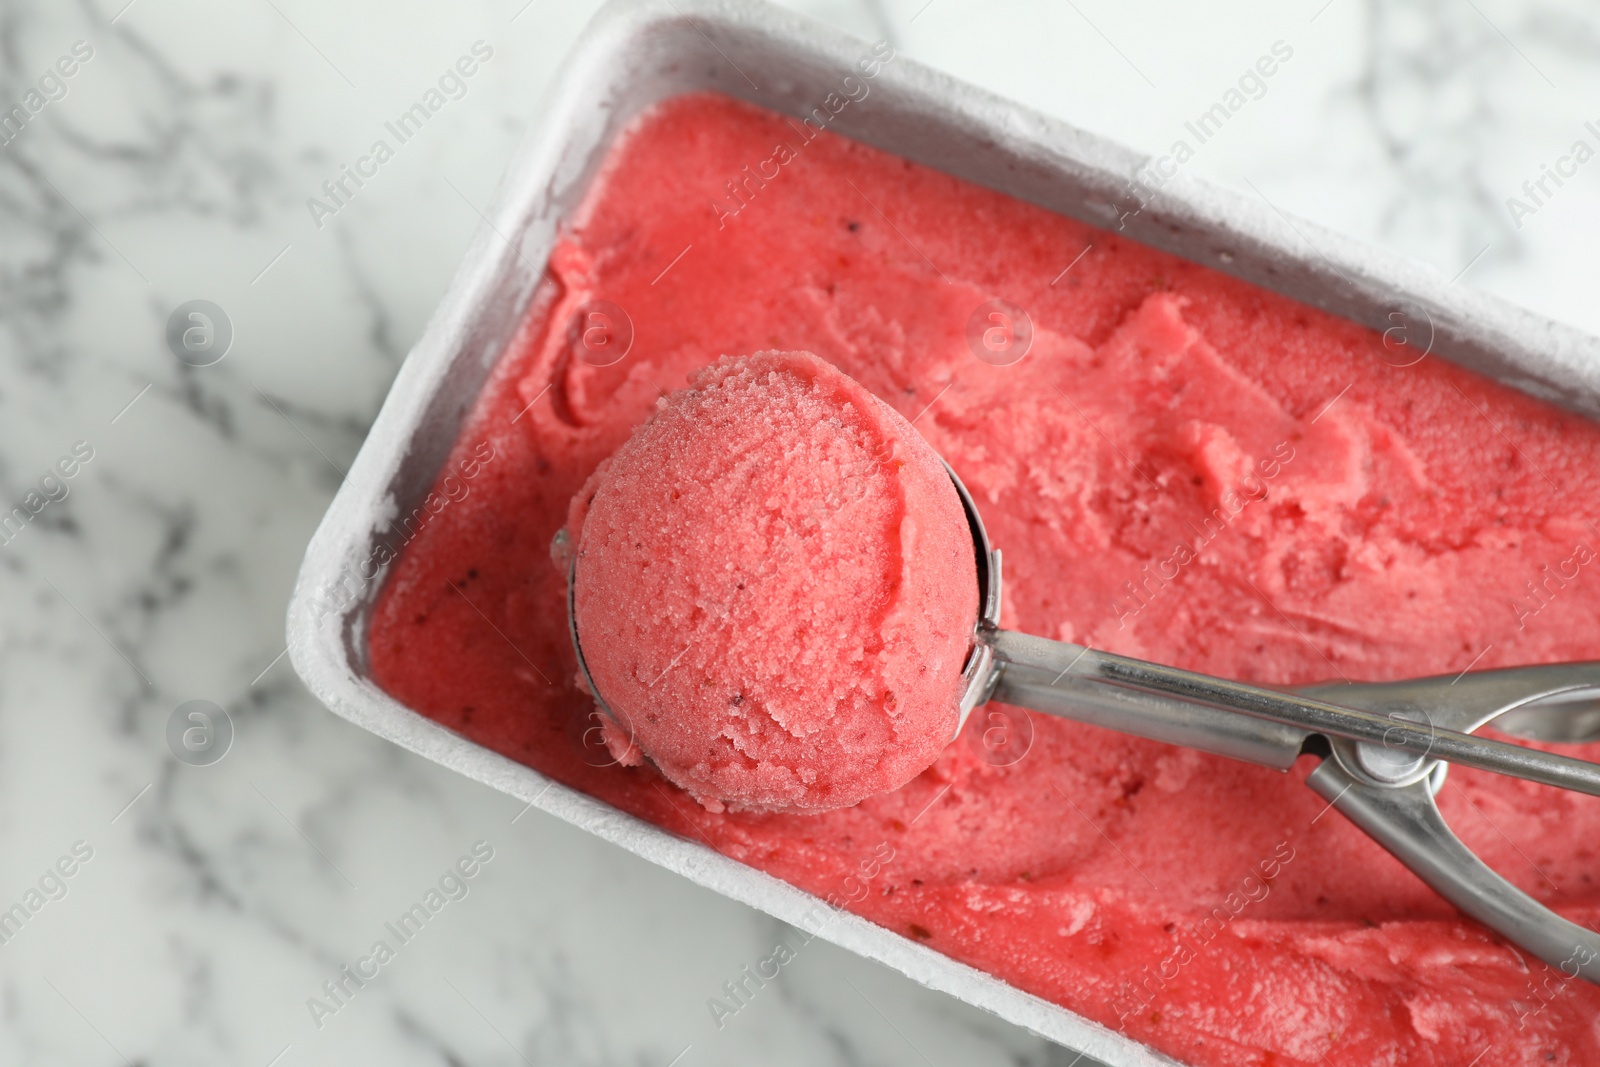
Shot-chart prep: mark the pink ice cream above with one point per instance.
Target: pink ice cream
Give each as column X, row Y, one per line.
column 776, row 589
column 1184, row 468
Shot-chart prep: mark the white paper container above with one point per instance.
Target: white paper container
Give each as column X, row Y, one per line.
column 636, row 53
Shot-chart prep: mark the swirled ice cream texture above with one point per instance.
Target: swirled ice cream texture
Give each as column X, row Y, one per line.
column 1348, row 510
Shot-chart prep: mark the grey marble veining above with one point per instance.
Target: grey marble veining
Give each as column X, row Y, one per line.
column 176, row 163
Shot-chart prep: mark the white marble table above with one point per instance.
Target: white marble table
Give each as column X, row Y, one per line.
column 174, row 163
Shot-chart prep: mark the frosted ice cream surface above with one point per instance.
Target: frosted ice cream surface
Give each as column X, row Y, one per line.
column 1184, row 468
column 775, row 589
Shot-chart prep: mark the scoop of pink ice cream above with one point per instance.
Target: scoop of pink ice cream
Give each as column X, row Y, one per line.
column 776, row 588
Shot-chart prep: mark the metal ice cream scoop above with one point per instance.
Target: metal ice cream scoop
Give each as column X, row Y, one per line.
column 1384, row 746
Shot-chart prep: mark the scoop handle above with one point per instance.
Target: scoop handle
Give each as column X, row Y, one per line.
column 1055, row 678
column 1406, row 821
column 1075, row 664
